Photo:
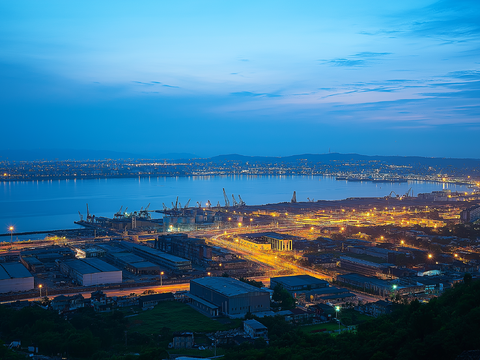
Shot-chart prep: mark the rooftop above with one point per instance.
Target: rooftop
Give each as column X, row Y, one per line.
column 299, row 280
column 14, row 271
column 228, row 286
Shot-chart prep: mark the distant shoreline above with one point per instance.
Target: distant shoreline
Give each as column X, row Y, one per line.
column 96, row 177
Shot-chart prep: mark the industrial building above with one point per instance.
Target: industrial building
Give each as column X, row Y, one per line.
column 298, row 283
column 471, row 214
column 92, row 271
column 361, row 266
column 365, row 283
column 168, row 261
column 268, row 241
column 133, row 263
column 15, row 277
column 220, row 295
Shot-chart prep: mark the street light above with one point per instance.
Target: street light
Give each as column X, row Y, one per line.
column 209, row 273
column 161, row 278
column 11, row 234
column 40, row 287
column 337, row 310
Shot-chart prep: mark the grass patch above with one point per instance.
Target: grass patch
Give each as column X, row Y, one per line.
column 197, row 353
column 177, row 317
column 353, row 317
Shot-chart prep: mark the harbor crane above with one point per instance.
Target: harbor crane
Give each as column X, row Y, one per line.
column 90, row 218
column 218, row 204
column 391, row 193
column 234, row 201
column 118, row 214
column 199, row 204
column 240, row 201
column 188, row 203
column 208, row 204
column 409, row 193
column 164, row 207
column 81, row 216
column 310, row 200
column 227, row 203
column 294, row 197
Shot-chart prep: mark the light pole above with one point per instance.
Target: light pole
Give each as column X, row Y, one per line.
column 161, row 278
column 40, row 287
column 209, row 273
column 11, row 235
column 337, row 310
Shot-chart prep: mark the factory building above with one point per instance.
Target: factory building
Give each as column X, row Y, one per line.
column 220, row 295
column 92, row 271
column 181, row 245
column 133, row 263
column 298, row 283
column 361, row 266
column 168, row 261
column 15, row 277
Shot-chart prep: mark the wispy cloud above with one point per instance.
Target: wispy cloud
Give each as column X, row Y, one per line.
column 253, row 94
column 360, row 59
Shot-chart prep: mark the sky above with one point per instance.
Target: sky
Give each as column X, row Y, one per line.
column 272, row 78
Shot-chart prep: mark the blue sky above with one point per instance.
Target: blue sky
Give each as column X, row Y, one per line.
column 250, row 77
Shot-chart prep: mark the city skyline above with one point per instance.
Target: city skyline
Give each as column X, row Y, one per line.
column 271, row 79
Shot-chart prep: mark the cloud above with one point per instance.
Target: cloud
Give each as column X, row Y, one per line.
column 252, row 94
column 142, row 83
column 171, row 86
column 360, row 59
column 346, row 62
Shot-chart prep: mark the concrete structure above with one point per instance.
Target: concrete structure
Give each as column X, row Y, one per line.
column 298, row 283
column 255, row 329
column 230, row 296
column 15, row 277
column 279, row 242
column 92, row 271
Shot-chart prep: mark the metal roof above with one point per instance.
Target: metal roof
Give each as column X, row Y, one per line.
column 298, row 280
column 16, row 270
column 100, row 264
column 228, row 286
column 90, row 266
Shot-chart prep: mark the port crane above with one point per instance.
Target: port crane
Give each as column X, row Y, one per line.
column 90, row 218
column 294, row 197
column 227, row 203
column 240, row 201
column 188, row 203
column 118, row 214
column 81, row 216
column 208, row 204
column 234, row 201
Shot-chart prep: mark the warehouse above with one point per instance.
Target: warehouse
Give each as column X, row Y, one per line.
column 15, row 277
column 298, row 283
column 133, row 263
column 168, row 261
column 92, row 271
column 232, row 297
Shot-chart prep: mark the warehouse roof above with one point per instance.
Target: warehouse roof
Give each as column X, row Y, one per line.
column 89, row 266
column 100, row 264
column 299, row 280
column 16, row 270
column 227, row 286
